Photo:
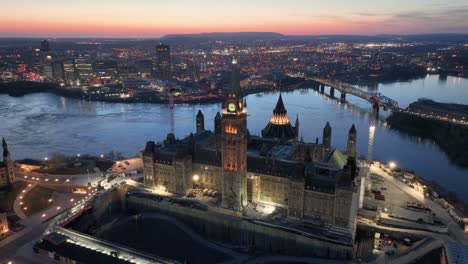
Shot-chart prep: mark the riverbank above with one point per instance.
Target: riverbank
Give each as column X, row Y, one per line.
column 24, row 87
column 451, row 138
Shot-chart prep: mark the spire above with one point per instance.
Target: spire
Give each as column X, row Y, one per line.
column 326, row 140
column 296, row 127
column 218, row 123
column 200, row 122
column 5, row 148
column 351, row 147
column 279, row 108
column 280, row 126
column 235, row 82
column 307, row 157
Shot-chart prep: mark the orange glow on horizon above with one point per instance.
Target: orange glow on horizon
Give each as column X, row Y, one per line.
column 308, row 27
column 151, row 18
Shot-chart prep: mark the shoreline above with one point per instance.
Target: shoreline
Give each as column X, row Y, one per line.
column 451, row 138
column 22, row 88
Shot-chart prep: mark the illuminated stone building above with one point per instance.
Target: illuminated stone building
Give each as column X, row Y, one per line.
column 4, row 229
column 311, row 182
column 7, row 167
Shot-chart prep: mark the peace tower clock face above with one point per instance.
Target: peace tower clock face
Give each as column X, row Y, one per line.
column 231, row 107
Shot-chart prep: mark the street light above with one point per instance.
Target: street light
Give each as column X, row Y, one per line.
column 196, row 178
column 392, row 165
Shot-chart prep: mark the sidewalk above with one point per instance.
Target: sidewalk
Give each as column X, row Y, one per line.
column 16, row 205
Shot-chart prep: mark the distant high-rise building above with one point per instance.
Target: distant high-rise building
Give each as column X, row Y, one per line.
column 84, row 67
column 47, row 71
column 69, row 69
column 58, row 70
column 36, row 57
column 162, row 62
column 105, row 67
column 45, row 46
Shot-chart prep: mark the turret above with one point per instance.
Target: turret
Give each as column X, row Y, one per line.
column 279, row 125
column 9, row 163
column 326, row 140
column 351, row 148
column 296, row 127
column 307, row 157
column 5, row 149
column 218, row 125
column 200, row 122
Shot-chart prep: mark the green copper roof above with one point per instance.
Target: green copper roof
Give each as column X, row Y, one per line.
column 337, row 159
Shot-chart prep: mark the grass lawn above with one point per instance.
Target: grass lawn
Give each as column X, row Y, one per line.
column 8, row 195
column 37, row 199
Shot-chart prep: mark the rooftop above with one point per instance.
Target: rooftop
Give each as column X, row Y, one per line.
column 58, row 244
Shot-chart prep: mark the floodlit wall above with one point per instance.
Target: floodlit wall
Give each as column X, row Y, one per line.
column 237, row 231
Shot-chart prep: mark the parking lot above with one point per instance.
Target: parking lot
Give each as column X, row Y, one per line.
column 127, row 166
column 207, row 196
column 392, row 196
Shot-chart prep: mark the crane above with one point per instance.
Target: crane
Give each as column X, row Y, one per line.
column 171, row 108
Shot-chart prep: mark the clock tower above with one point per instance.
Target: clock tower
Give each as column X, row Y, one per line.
column 234, row 134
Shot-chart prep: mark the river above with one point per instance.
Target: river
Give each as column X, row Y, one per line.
column 38, row 125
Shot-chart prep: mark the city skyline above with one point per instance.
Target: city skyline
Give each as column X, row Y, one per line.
column 156, row 18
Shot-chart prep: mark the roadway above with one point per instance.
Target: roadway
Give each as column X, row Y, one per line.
column 18, row 247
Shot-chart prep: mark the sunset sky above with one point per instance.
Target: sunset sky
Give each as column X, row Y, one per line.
column 154, row 18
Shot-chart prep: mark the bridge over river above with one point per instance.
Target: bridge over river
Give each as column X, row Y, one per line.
column 379, row 100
